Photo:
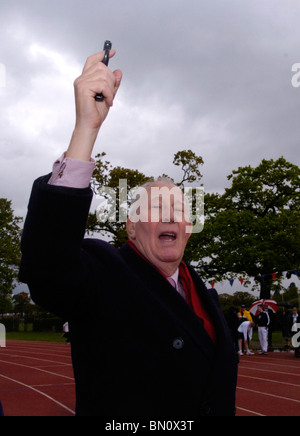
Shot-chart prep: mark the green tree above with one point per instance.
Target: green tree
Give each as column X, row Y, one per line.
column 9, row 247
column 190, row 166
column 6, row 305
column 254, row 227
column 22, row 304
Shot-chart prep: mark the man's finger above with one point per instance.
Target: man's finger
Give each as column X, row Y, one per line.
column 118, row 76
column 96, row 58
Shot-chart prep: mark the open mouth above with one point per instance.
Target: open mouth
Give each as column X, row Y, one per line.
column 168, row 236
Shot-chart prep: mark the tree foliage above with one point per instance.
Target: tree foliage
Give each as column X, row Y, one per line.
column 9, row 247
column 254, row 227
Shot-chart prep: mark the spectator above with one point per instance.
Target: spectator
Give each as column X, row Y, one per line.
column 245, row 332
column 263, row 321
column 66, row 332
column 244, row 315
column 287, row 324
column 270, row 327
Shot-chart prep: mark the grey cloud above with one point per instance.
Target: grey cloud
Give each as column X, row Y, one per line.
column 214, row 76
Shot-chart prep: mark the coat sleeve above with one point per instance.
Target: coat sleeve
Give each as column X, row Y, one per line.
column 53, row 263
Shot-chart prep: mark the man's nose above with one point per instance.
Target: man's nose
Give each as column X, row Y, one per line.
column 168, row 215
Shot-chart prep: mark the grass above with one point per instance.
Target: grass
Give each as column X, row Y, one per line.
column 57, row 337
column 277, row 337
column 35, row 336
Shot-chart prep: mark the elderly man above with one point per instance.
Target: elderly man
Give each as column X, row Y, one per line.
column 148, row 339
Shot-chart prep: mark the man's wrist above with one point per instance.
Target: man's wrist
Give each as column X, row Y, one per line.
column 82, row 144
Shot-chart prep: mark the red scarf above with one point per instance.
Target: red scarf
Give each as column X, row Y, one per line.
column 193, row 299
column 192, row 296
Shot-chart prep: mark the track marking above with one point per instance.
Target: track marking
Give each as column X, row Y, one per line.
column 257, row 358
column 262, row 361
column 269, row 371
column 39, row 392
column 53, row 385
column 269, row 395
column 37, row 369
column 63, row 356
column 36, row 358
column 270, row 381
column 250, row 411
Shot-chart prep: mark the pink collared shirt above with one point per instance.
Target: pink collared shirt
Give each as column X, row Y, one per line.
column 72, row 173
column 178, row 287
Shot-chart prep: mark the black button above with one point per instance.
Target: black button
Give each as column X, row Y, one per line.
column 178, row 343
column 206, row 409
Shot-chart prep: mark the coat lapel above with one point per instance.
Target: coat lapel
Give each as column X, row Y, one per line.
column 155, row 284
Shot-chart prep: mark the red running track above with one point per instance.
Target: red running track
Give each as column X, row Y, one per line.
column 269, row 385
column 36, row 379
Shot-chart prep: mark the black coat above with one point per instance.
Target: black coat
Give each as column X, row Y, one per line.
column 138, row 349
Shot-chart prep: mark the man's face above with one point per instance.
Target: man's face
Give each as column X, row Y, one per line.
column 160, row 233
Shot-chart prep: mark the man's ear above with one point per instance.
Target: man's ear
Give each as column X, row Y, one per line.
column 130, row 227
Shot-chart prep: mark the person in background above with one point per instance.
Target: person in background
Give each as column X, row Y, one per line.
column 263, row 321
column 270, row 326
column 245, row 332
column 244, row 314
column 66, row 332
column 287, row 323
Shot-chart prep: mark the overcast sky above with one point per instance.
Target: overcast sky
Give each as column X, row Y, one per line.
column 213, row 76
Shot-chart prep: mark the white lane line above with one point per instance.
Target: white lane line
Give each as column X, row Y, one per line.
column 269, row 371
column 250, row 411
column 39, row 353
column 39, row 392
column 36, row 358
column 269, row 395
column 263, row 362
column 270, row 381
column 37, row 369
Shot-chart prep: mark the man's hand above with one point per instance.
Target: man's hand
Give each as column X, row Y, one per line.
column 96, row 78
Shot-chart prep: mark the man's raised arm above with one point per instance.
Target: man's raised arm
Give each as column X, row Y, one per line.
column 75, row 167
column 53, row 263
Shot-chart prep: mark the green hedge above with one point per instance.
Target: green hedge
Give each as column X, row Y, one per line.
column 15, row 324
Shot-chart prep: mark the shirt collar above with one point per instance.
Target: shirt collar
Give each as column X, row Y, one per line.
column 175, row 277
